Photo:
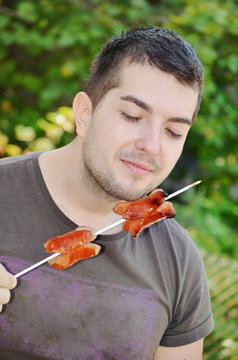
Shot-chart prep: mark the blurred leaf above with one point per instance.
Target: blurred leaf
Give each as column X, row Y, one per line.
column 24, row 133
column 3, row 143
column 4, row 21
column 13, row 150
column 26, row 10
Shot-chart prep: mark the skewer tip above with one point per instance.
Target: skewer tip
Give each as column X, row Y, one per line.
column 183, row 189
column 197, row 182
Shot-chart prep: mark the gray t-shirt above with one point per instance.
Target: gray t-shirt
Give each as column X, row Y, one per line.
column 135, row 295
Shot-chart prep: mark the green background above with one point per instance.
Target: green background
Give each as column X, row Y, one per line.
column 46, row 48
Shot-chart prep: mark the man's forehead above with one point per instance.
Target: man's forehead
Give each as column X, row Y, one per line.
column 142, row 83
column 131, row 73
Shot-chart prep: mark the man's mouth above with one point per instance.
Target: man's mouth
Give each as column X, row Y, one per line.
column 137, row 168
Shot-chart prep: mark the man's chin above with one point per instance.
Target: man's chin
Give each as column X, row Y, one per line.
column 128, row 194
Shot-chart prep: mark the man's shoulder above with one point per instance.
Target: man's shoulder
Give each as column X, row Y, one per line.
column 15, row 160
column 16, row 171
column 173, row 238
column 171, row 229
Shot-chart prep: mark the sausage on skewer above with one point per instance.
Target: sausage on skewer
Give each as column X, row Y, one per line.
column 77, row 245
column 73, row 246
column 142, row 213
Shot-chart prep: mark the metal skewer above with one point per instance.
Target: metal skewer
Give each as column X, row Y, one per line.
column 99, row 232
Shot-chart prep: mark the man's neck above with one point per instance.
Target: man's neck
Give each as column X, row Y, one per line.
column 61, row 172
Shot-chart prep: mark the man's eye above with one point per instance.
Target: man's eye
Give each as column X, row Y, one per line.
column 130, row 118
column 172, row 134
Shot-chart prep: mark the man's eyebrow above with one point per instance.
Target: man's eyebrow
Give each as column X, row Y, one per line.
column 138, row 102
column 149, row 109
column 181, row 120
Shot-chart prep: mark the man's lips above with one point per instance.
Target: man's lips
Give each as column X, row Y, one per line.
column 137, row 168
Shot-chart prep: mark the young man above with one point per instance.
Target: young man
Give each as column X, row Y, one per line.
column 139, row 298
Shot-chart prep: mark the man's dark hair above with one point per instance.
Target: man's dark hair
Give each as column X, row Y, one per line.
column 161, row 48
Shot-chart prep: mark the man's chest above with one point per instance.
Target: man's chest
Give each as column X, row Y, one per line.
column 58, row 315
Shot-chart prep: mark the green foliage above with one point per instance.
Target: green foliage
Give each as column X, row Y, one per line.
column 203, row 217
column 222, row 274
column 46, row 48
column 45, row 53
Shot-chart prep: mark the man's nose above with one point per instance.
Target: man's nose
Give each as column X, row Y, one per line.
column 149, row 141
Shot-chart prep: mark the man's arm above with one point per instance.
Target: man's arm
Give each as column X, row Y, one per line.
column 191, row 351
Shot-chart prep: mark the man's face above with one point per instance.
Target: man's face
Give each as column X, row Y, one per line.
column 137, row 132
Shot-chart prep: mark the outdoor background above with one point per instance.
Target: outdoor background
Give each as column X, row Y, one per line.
column 46, row 48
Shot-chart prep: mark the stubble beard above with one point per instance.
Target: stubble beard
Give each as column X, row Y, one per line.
column 105, row 185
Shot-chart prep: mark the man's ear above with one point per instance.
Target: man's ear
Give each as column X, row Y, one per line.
column 82, row 108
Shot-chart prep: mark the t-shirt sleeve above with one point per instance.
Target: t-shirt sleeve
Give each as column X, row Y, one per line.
column 192, row 316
